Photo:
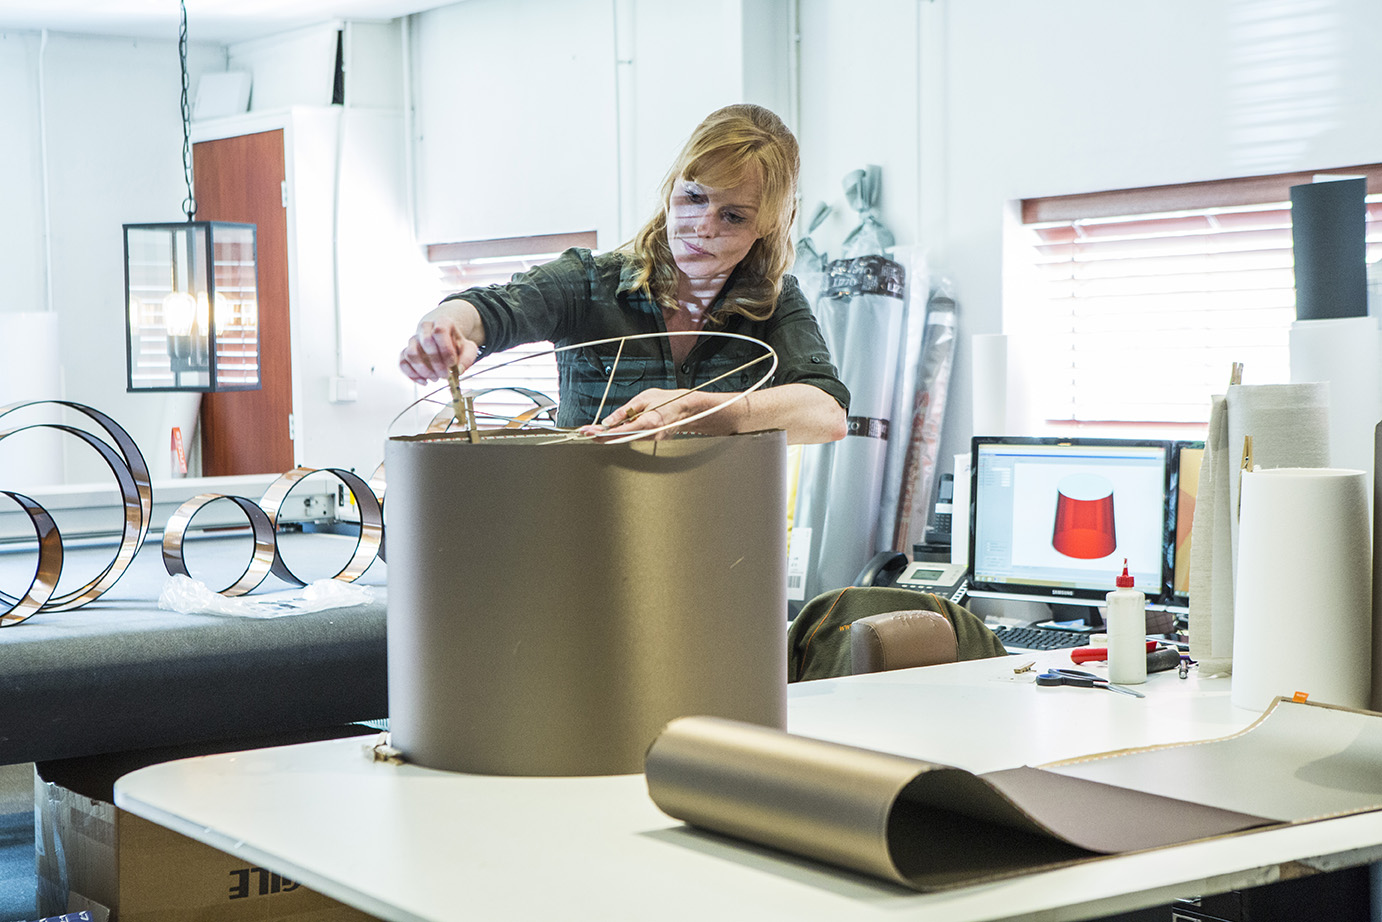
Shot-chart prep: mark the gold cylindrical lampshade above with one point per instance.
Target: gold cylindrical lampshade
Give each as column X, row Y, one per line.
column 552, row 607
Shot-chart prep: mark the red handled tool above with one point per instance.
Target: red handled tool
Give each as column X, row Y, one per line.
column 1098, row 654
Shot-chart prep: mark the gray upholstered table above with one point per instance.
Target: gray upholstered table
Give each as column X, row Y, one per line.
column 121, row 674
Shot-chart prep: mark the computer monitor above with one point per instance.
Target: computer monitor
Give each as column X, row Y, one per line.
column 1186, row 458
column 1052, row 519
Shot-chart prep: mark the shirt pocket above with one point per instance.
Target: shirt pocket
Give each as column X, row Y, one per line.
column 628, row 371
column 592, row 374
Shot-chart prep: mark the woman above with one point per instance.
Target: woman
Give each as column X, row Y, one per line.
column 713, row 258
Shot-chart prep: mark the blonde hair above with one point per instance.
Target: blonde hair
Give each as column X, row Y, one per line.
column 722, row 152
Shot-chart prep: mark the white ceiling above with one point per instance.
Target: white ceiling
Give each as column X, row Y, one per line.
column 221, row 21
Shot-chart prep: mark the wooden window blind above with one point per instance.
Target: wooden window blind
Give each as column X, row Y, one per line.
column 1150, row 295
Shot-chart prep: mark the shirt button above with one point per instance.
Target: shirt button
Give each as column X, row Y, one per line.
column 686, row 368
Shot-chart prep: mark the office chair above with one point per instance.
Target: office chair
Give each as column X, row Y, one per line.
column 819, row 639
column 901, row 640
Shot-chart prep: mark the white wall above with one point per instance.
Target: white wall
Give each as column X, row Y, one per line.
column 114, row 156
column 860, row 105
column 515, row 114
column 550, row 116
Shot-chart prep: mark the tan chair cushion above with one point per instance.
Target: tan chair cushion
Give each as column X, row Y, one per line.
column 900, row 640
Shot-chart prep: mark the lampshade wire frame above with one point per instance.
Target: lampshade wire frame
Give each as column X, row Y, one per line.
column 769, row 355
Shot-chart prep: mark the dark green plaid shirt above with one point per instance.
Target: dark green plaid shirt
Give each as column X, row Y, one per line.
column 579, row 297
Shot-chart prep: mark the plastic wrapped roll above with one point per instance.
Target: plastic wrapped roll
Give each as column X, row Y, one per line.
column 838, row 511
column 551, row 607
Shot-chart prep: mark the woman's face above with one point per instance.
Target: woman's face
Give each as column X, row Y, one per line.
column 711, row 229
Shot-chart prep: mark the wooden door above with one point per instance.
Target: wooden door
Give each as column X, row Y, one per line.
column 241, row 179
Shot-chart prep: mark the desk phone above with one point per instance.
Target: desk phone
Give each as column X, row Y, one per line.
column 942, row 579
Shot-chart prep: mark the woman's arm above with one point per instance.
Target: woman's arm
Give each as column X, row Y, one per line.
column 805, row 412
column 448, row 336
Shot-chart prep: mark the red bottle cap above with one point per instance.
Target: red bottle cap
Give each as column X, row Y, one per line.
column 1125, row 581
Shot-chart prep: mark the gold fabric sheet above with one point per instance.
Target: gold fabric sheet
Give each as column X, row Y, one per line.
column 932, row 827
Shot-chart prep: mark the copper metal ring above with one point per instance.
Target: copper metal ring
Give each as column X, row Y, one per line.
column 371, row 521
column 132, row 458
column 135, row 525
column 175, row 532
column 47, row 569
column 136, row 493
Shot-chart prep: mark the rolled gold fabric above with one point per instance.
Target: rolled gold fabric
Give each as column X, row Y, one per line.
column 930, row 826
column 823, row 800
column 552, row 606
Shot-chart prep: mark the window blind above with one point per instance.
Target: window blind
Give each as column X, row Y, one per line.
column 1147, row 297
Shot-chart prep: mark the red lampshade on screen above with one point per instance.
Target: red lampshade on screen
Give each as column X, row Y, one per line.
column 1084, row 525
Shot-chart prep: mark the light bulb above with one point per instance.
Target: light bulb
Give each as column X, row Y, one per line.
column 179, row 312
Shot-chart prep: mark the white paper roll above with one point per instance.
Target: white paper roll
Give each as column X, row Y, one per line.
column 1347, row 353
column 1289, row 425
column 1303, row 529
column 989, row 364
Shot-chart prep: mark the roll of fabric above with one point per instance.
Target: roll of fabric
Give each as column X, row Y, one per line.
column 1289, row 425
column 1346, row 353
column 1311, row 523
column 989, row 364
column 838, row 506
column 1328, row 241
column 551, row 607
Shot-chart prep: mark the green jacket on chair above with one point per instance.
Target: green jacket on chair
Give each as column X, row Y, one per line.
column 818, row 638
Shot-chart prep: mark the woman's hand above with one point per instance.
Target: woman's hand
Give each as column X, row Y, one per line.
column 805, row 412
column 651, row 409
column 448, row 337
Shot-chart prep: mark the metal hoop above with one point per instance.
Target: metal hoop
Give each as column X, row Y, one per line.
column 367, row 544
column 378, row 485
column 261, row 560
column 47, row 568
column 131, row 456
column 132, row 533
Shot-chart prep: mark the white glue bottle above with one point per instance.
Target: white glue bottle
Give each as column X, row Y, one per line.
column 1126, row 623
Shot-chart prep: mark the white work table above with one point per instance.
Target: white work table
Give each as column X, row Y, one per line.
column 408, row 843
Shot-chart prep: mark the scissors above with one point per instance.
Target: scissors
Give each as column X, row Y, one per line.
column 1082, row 680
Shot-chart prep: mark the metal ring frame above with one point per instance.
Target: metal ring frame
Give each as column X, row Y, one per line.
column 263, row 516
column 175, row 533
column 46, row 569
column 132, row 475
column 368, row 543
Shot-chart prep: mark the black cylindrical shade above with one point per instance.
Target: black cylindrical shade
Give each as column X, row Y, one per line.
column 1327, row 230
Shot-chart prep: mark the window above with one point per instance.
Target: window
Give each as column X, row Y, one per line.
column 1143, row 299
column 495, row 262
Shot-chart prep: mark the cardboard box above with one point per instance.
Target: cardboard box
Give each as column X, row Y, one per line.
column 117, row 866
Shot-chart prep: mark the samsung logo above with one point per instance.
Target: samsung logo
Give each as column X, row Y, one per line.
column 1062, row 592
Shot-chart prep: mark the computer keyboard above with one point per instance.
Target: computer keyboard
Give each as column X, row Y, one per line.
column 1039, row 638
